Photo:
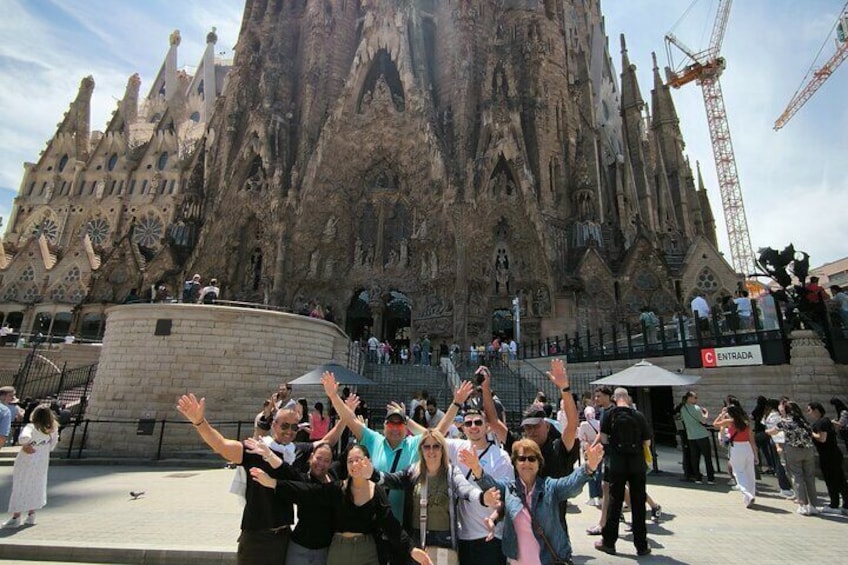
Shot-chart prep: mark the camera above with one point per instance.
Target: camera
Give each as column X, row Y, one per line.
column 480, row 375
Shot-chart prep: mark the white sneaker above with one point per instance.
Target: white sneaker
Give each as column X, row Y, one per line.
column 787, row 493
column 831, row 511
column 12, row 523
column 30, row 520
column 812, row 510
column 803, row 510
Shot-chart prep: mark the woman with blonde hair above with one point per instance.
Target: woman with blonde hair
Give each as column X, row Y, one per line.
column 29, row 477
column 533, row 528
column 433, row 486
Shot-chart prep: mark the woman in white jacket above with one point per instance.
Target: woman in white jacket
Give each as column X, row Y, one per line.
column 29, row 477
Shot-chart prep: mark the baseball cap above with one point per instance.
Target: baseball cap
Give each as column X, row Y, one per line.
column 533, row 415
column 396, row 412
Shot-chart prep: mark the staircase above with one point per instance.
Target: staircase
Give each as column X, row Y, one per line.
column 400, row 383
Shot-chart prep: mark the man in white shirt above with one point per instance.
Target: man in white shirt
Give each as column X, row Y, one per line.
column 433, row 415
column 373, row 346
column 744, row 310
column 701, row 310
column 473, row 547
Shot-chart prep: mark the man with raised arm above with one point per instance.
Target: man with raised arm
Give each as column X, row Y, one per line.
column 267, row 518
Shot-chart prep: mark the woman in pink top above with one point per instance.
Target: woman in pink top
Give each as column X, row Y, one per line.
column 743, row 450
column 318, row 423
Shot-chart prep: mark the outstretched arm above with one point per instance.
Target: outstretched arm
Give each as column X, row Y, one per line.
column 559, row 376
column 495, row 425
column 331, row 388
column 459, row 397
column 193, row 409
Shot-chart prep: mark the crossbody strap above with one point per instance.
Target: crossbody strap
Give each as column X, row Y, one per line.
column 422, row 515
column 480, row 457
column 538, row 528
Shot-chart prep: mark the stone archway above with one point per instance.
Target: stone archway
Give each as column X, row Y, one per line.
column 397, row 319
column 502, row 323
column 358, row 317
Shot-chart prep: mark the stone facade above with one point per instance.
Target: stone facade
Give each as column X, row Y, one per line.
column 418, row 165
column 234, row 357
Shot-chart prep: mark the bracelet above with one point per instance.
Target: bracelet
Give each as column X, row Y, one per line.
column 566, row 389
column 200, row 423
column 458, row 405
column 268, row 457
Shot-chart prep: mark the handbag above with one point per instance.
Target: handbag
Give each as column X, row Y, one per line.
column 541, row 533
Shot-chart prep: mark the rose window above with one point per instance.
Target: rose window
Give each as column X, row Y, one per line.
column 148, row 231
column 707, row 281
column 58, row 294
column 48, row 228
column 73, row 275
column 11, row 294
column 97, row 230
column 27, row 274
column 30, row 294
column 77, row 296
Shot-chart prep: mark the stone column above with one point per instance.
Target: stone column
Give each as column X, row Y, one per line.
column 813, row 374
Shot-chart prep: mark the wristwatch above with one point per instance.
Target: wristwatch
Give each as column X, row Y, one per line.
column 566, row 389
column 458, row 405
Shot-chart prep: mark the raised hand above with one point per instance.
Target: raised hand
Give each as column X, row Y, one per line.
column 353, row 401
column 362, row 469
column 558, row 375
column 396, row 406
column 328, row 381
column 492, row 497
column 262, row 478
column 489, row 522
column 594, row 456
column 487, row 376
column 193, row 409
column 257, row 447
column 463, row 392
column 469, row 458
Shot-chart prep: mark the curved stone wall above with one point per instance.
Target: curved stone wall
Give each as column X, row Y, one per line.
column 153, row 353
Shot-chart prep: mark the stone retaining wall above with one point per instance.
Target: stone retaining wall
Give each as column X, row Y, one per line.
column 234, row 357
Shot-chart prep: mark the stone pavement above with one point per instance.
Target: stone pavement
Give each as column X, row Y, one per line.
column 187, row 516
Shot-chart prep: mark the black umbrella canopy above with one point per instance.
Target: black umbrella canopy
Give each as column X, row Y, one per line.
column 343, row 376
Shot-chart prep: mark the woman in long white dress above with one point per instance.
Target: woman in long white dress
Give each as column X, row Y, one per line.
column 29, row 477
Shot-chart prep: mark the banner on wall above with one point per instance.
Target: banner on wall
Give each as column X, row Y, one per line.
column 736, row 356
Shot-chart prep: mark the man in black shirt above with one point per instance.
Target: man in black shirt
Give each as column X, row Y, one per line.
column 625, row 435
column 267, row 518
column 830, row 459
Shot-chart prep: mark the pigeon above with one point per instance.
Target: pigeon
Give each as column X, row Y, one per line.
column 136, row 494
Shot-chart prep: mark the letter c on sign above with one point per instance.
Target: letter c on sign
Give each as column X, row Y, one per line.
column 708, row 357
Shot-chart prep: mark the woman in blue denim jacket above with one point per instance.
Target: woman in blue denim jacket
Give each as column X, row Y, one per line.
column 527, row 511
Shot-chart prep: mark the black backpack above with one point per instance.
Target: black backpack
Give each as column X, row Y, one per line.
column 625, row 432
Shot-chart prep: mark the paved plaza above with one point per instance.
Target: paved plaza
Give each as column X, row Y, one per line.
column 187, row 516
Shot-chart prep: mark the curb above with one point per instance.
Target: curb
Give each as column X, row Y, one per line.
column 58, row 551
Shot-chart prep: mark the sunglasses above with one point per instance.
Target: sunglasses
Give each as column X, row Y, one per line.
column 430, row 446
column 286, row 426
column 394, row 424
column 530, row 458
column 469, row 423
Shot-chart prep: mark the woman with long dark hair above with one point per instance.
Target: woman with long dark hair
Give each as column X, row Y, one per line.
column 319, row 424
column 761, row 438
column 360, row 510
column 800, row 456
column 743, row 450
column 29, row 477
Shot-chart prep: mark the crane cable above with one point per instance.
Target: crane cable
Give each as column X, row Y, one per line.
column 821, row 49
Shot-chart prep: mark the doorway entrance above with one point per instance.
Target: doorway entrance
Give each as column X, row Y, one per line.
column 502, row 323
column 358, row 320
column 398, row 319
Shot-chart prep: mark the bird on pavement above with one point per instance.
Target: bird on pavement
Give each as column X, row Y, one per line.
column 136, row 494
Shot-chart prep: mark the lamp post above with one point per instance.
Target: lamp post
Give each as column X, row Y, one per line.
column 516, row 315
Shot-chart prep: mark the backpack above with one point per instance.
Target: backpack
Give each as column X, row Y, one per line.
column 190, row 291
column 210, row 297
column 625, row 433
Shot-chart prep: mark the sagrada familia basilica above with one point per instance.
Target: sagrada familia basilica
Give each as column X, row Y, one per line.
column 416, row 165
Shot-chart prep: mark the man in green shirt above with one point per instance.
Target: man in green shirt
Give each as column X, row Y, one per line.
column 694, row 420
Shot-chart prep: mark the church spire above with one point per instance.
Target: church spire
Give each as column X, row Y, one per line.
column 77, row 122
column 662, row 104
column 631, row 95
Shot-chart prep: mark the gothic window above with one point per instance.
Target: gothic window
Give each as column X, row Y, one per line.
column 97, row 230
column 58, row 295
column 646, row 280
column 383, row 67
column 63, row 162
column 73, row 275
column 30, row 293
column 77, row 295
column 195, row 117
column 11, row 294
column 113, row 160
column 200, row 88
column 47, row 227
column 163, row 160
column 707, row 281
column 27, row 275
column 148, row 231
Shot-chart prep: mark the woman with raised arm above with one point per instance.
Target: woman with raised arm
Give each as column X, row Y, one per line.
column 360, row 511
column 533, row 530
column 743, row 449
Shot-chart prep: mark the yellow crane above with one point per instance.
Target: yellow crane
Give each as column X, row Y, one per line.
column 816, row 77
column 705, row 68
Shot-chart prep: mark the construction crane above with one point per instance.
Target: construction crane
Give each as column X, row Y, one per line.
column 809, row 85
column 705, row 68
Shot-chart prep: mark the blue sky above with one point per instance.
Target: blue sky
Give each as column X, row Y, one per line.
column 793, row 181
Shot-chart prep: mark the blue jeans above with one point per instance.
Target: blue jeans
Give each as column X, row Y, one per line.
column 595, row 485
